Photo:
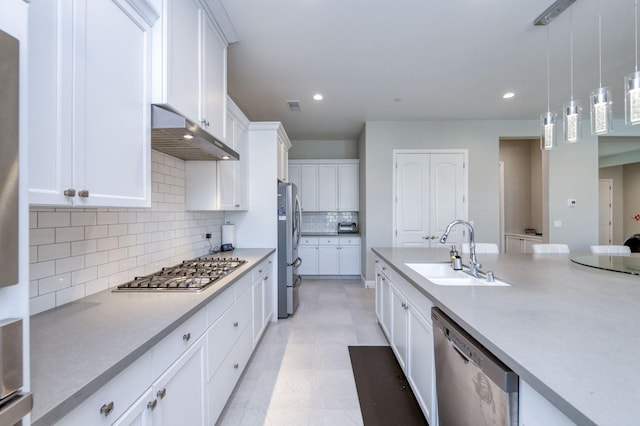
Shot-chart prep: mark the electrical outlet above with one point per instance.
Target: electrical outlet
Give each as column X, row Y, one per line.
column 571, row 202
column 207, row 236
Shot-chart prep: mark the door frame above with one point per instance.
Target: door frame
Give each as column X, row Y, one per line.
column 394, row 195
column 609, row 182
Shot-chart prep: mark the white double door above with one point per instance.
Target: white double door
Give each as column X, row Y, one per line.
column 430, row 192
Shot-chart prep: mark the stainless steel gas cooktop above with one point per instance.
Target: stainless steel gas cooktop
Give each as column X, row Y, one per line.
column 191, row 275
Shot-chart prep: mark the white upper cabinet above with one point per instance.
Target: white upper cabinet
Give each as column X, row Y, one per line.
column 326, row 185
column 89, row 96
column 189, row 65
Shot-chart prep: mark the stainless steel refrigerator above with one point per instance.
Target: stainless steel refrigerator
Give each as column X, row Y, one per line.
column 289, row 219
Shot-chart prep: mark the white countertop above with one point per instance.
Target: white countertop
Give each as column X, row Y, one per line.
column 80, row 346
column 570, row 331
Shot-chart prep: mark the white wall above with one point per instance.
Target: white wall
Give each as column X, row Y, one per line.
column 573, row 173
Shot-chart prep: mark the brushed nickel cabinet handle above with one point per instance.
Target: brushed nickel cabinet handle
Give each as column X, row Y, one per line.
column 69, row 192
column 236, row 324
column 152, row 404
column 161, row 393
column 236, row 366
column 186, row 337
column 84, row 193
column 106, row 409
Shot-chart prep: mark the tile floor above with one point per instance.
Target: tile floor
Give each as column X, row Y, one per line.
column 300, row 373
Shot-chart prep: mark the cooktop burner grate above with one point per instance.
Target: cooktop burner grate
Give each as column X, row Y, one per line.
column 191, row 275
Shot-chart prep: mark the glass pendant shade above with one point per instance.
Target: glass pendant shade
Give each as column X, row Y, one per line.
column 572, row 121
column 548, row 130
column 632, row 98
column 601, row 111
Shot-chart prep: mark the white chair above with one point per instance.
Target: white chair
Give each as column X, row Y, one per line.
column 550, row 248
column 612, row 250
column 481, row 248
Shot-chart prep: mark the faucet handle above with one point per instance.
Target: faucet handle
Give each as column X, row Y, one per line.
column 490, row 277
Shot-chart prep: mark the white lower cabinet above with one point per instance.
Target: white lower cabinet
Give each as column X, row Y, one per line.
column 330, row 255
column 178, row 395
column 187, row 377
column 409, row 330
column 534, row 409
column 517, row 243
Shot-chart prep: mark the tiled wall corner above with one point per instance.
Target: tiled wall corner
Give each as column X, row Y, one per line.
column 326, row 221
column 77, row 252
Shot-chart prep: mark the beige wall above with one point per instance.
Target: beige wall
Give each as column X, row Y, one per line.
column 519, row 184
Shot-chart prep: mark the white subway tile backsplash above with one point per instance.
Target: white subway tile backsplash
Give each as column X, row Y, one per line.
column 53, row 219
column 53, row 251
column 64, row 235
column 78, row 252
column 69, row 264
column 84, row 218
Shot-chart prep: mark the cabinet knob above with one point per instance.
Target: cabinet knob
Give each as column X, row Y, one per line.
column 186, row 337
column 236, row 324
column 161, row 393
column 83, row 193
column 204, row 122
column 106, row 409
column 152, row 404
column 237, row 205
column 69, row 192
column 236, row 366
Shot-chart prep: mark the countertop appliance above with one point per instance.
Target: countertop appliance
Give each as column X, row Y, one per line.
column 347, row 228
column 173, row 134
column 289, row 220
column 9, row 118
column 189, row 276
column 473, row 386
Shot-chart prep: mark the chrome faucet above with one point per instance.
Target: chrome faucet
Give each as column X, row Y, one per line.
column 474, row 266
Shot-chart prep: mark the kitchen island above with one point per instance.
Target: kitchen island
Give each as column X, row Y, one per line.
column 569, row 331
column 79, row 347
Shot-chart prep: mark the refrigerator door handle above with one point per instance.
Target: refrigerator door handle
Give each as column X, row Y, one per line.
column 296, row 263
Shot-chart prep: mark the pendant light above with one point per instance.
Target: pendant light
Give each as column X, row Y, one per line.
column 548, row 119
column 600, row 99
column 572, row 110
column 632, row 84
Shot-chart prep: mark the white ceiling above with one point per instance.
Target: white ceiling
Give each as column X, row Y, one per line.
column 444, row 60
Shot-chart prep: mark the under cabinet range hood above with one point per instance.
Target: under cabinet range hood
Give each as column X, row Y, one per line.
column 174, row 135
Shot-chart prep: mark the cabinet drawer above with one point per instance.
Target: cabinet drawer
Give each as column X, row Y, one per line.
column 350, row 241
column 225, row 379
column 180, row 339
column 223, row 335
column 260, row 269
column 329, row 241
column 116, row 396
column 309, row 241
column 218, row 306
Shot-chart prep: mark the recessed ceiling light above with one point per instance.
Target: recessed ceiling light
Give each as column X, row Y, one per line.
column 188, row 136
column 397, row 100
column 508, row 95
column 318, row 97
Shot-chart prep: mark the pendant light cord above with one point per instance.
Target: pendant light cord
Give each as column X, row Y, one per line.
column 571, row 46
column 600, row 43
column 548, row 102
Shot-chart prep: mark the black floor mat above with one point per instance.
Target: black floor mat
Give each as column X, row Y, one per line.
column 383, row 390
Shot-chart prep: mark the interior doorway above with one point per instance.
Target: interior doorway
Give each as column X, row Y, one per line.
column 605, row 211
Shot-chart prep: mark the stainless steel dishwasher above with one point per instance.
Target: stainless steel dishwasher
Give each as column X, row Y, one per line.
column 473, row 386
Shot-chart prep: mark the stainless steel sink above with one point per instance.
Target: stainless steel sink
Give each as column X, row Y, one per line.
column 443, row 274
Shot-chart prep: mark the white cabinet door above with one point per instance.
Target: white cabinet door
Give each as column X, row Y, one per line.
column 95, row 73
column 379, row 294
column 527, row 244
column 421, row 361
column 268, row 296
column 233, row 176
column 387, row 307
column 309, row 256
column 258, row 307
column 179, row 393
column 139, row 414
column 534, row 409
column 182, row 54
column 328, row 262
column 309, row 184
column 349, row 259
column 213, row 92
column 327, row 187
column 399, row 327
column 514, row 244
column 348, row 187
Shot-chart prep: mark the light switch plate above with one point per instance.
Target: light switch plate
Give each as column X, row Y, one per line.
column 557, row 224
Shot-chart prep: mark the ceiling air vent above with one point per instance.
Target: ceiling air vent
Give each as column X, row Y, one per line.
column 294, row 106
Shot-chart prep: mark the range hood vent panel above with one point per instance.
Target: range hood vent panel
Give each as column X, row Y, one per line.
column 168, row 129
